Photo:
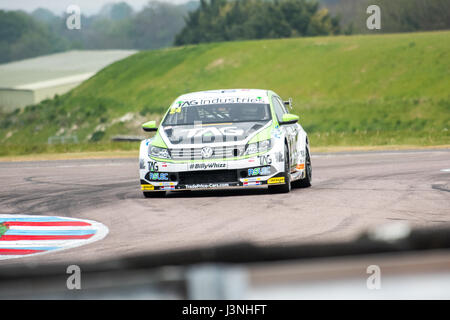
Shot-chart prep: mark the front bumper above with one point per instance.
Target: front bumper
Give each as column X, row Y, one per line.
column 202, row 185
column 257, row 171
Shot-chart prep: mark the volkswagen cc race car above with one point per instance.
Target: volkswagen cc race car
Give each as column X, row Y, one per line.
column 225, row 139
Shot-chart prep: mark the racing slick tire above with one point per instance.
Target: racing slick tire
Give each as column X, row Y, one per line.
column 306, row 181
column 283, row 188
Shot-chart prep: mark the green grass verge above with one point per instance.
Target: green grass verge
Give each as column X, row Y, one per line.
column 367, row 90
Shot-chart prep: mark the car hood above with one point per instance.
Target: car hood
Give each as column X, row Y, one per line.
column 212, row 133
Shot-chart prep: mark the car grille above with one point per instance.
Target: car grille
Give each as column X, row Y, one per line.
column 196, row 153
column 210, row 176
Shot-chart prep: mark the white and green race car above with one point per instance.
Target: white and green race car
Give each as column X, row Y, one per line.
column 225, row 139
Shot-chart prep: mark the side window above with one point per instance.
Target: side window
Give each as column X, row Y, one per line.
column 279, row 108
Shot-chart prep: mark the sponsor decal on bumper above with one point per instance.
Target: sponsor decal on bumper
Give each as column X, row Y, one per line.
column 163, row 184
column 276, row 180
column 147, row 187
column 170, row 187
column 206, row 185
column 252, row 183
column 206, row 166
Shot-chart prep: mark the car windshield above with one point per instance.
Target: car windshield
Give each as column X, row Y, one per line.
column 218, row 113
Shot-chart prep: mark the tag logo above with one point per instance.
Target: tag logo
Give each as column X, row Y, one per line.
column 213, row 131
column 153, row 166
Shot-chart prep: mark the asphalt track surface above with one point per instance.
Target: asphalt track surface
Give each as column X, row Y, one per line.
column 351, row 192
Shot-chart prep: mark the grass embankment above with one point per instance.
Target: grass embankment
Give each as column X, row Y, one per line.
column 374, row 90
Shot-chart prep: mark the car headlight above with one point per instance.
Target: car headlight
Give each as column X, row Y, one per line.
column 261, row 146
column 159, row 152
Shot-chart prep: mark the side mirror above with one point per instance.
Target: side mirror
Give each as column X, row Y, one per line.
column 288, row 103
column 150, row 126
column 289, row 118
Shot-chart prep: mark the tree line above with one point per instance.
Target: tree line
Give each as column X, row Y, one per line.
column 396, row 15
column 116, row 26
column 222, row 20
column 162, row 24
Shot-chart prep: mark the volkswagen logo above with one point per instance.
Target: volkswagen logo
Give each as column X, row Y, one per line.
column 206, row 152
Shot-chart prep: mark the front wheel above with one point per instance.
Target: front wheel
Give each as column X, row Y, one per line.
column 306, row 181
column 286, row 187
